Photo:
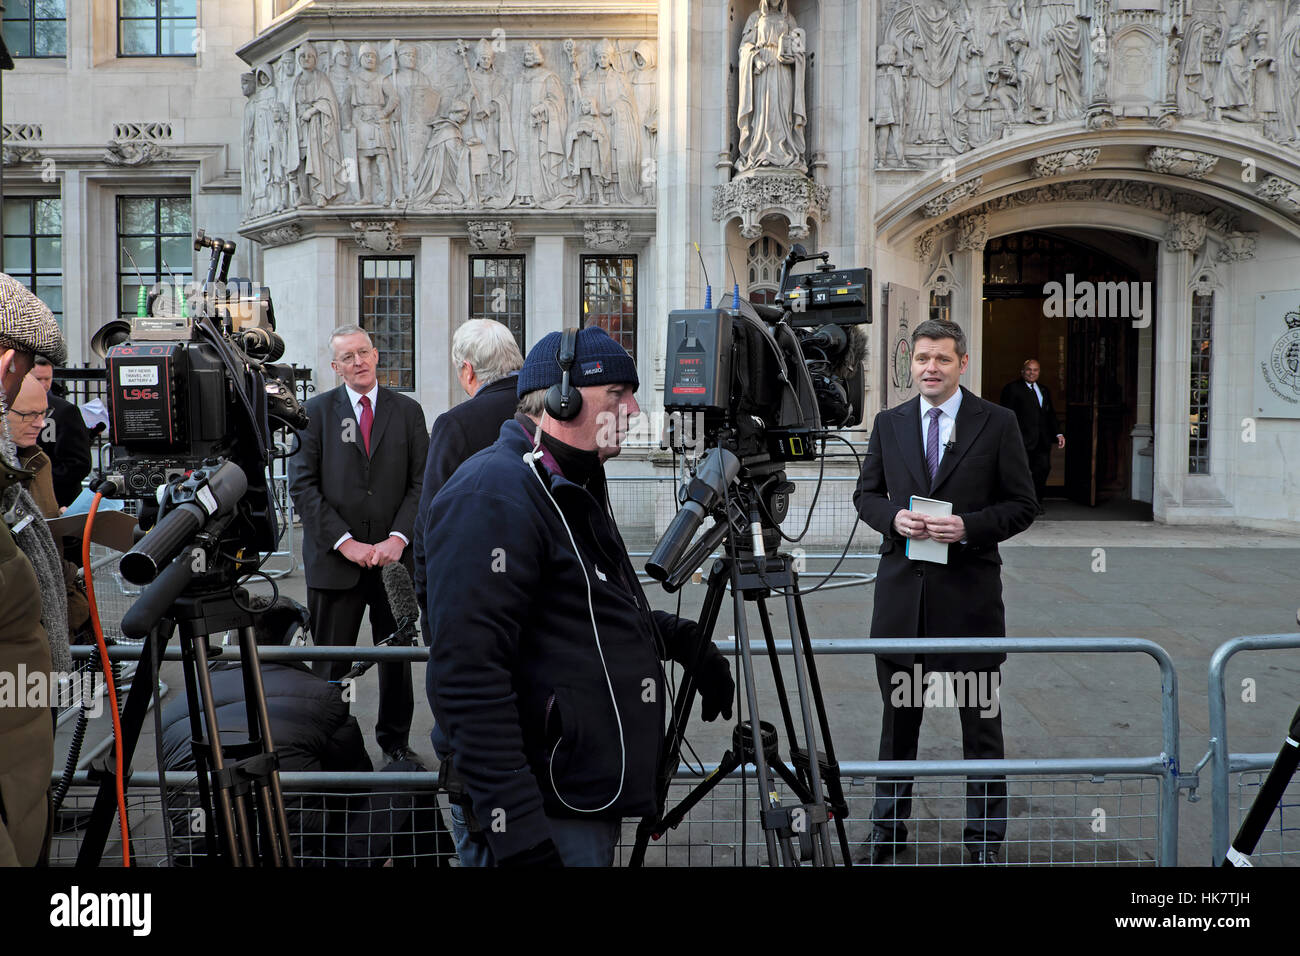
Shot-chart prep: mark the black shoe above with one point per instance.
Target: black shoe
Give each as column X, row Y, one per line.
column 881, row 848
column 1040, row 512
column 986, row 857
column 400, row 753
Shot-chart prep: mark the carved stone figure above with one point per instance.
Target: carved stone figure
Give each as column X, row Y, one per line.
column 1264, row 101
column 374, row 104
column 313, row 132
column 1232, row 91
column 1063, row 49
column 930, row 40
column 253, row 185
column 341, row 79
column 591, row 161
column 489, row 134
column 773, row 115
column 420, row 102
column 608, row 86
column 645, row 86
column 268, row 135
column 1289, row 118
column 541, row 118
column 443, row 176
column 891, row 93
column 1034, row 101
column 1200, row 58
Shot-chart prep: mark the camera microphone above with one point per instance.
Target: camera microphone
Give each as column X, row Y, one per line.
column 401, row 599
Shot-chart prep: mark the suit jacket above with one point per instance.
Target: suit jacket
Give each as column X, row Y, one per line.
column 1038, row 425
column 986, row 477
column 338, row 488
column 457, row 434
column 69, row 453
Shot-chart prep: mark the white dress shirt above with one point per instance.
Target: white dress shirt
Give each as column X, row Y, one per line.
column 1037, row 394
column 355, row 398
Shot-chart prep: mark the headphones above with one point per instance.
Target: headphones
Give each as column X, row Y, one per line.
column 563, row 401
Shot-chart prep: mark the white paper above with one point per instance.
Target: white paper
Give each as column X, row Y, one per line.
column 927, row 549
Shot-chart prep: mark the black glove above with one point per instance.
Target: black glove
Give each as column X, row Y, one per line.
column 717, row 689
column 543, row 856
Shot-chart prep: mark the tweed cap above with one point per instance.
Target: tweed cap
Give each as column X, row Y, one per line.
column 27, row 324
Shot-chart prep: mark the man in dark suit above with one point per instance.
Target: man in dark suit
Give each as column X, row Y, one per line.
column 487, row 362
column 951, row 445
column 69, row 445
column 1032, row 404
column 356, row 483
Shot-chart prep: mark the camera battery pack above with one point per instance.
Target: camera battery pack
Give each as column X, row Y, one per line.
column 698, row 374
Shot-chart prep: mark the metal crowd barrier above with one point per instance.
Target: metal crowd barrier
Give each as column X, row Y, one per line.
column 1281, row 842
column 1054, row 801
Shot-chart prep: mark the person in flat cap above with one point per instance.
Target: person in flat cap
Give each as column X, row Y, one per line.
column 33, row 605
column 546, row 671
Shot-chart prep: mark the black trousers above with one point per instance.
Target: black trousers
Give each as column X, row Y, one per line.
column 1040, row 464
column 981, row 738
column 335, row 620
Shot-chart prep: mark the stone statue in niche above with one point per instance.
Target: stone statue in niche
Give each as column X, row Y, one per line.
column 891, row 99
column 541, row 119
column 489, row 134
column 443, row 175
column 313, row 133
column 607, row 85
column 419, row 108
column 591, row 161
column 931, row 42
column 773, row 115
column 645, row 87
column 374, row 104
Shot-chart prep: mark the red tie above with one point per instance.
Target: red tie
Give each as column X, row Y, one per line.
column 367, row 419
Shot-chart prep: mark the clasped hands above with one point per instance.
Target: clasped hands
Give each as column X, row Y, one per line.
column 373, row 555
column 914, row 524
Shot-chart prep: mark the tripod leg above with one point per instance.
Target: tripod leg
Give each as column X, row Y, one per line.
column 778, row 677
column 201, row 762
column 767, row 795
column 834, row 784
column 1269, row 796
column 239, row 846
column 814, row 770
column 252, row 666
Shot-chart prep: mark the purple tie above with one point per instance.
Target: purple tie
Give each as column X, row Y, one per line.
column 932, row 442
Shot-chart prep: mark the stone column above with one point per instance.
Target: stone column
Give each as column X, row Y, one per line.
column 303, row 277
column 436, row 386
column 547, row 308
column 1172, row 347
column 80, row 321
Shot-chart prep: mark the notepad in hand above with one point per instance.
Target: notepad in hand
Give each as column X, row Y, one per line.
column 927, row 549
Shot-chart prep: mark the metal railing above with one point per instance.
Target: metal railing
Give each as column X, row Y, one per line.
column 1054, row 801
column 1283, row 841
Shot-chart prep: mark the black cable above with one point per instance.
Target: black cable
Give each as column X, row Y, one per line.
column 821, row 472
column 78, row 735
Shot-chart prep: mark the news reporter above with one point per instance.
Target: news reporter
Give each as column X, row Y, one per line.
column 32, row 605
column 545, row 672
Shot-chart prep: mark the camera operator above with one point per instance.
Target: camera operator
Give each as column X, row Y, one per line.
column 32, row 604
column 69, row 446
column 487, row 363
column 545, row 673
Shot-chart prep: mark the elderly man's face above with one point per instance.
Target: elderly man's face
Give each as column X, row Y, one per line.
column 607, row 411
column 14, row 366
column 355, row 360
column 27, row 413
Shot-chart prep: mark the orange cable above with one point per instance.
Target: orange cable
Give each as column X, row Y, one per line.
column 108, row 678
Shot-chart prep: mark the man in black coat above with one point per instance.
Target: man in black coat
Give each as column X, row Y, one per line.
column 1032, row 404
column 946, row 444
column 356, row 483
column 69, row 446
column 487, row 363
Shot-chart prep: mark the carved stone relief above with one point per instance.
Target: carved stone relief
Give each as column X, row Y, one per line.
column 951, row 198
column 377, row 235
column 491, row 235
column 953, row 75
column 772, row 192
column 1280, row 192
column 1186, row 232
column 973, row 232
column 606, row 233
column 1066, row 161
column 1238, row 247
column 1181, row 162
column 452, row 125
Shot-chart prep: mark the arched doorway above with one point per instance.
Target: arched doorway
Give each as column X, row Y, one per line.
column 1081, row 302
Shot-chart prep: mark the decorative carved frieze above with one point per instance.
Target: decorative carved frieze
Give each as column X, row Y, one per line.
column 491, row 235
column 1181, row 162
column 377, row 235
column 151, row 132
column 452, row 125
column 606, row 233
column 952, row 198
column 1238, row 247
column 280, row 235
column 1065, row 161
column 771, row 192
column 1186, row 232
column 23, row 133
column 16, row 155
column 134, row 153
column 1281, row 193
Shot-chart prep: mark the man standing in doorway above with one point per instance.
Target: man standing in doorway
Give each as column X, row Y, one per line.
column 1039, row 429
column 948, row 444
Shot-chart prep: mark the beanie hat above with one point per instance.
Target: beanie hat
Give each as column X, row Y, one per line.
column 597, row 360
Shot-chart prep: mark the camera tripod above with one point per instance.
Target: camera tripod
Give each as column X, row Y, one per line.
column 228, row 775
column 797, row 832
column 1266, row 801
